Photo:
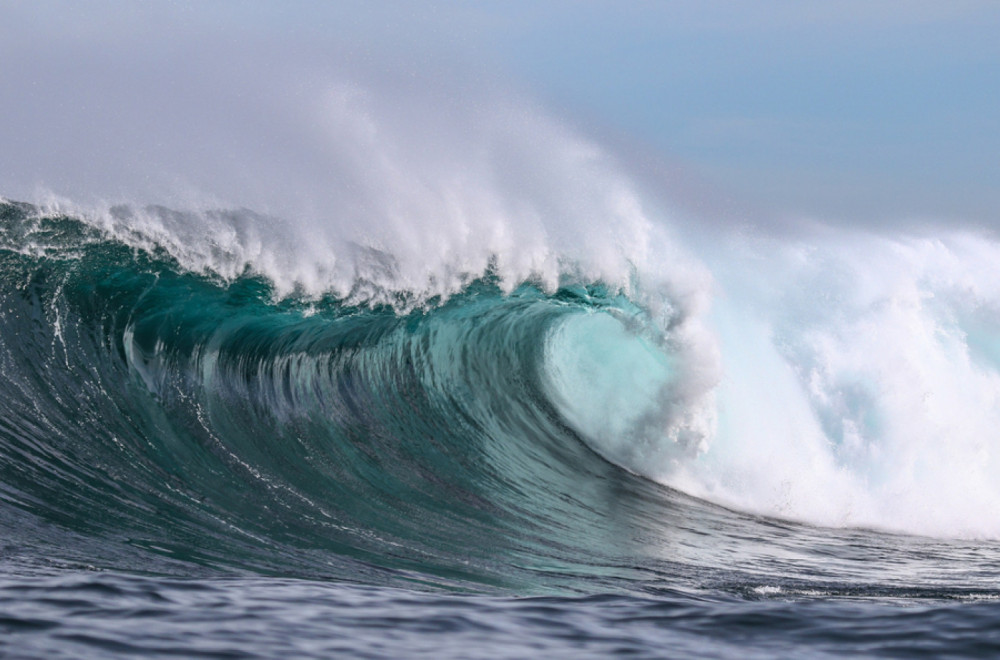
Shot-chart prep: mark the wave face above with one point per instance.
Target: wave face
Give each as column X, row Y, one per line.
column 217, row 423
column 500, row 437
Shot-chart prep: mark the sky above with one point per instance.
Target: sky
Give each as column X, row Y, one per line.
column 844, row 111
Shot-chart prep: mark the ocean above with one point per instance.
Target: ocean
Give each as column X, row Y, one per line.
column 321, row 339
column 203, row 465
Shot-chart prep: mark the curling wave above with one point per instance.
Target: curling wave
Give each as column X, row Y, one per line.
column 512, row 435
column 217, row 422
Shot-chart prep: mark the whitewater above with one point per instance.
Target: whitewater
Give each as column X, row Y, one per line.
column 375, row 361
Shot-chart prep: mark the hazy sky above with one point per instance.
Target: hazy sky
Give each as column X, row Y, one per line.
column 856, row 109
column 848, row 111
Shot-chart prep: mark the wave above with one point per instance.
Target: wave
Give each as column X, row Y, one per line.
column 826, row 375
column 178, row 396
column 218, row 421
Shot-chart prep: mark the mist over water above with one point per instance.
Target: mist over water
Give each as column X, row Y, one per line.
column 879, row 395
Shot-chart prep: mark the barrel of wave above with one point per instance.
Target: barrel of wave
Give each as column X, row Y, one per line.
column 621, row 388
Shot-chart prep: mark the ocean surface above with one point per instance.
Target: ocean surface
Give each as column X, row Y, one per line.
column 208, row 451
column 499, row 330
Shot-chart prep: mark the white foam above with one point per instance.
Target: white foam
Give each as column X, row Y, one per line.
column 852, row 394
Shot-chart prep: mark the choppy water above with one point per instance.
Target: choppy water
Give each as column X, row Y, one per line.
column 111, row 615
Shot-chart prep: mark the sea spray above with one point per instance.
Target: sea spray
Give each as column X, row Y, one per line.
column 857, row 391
